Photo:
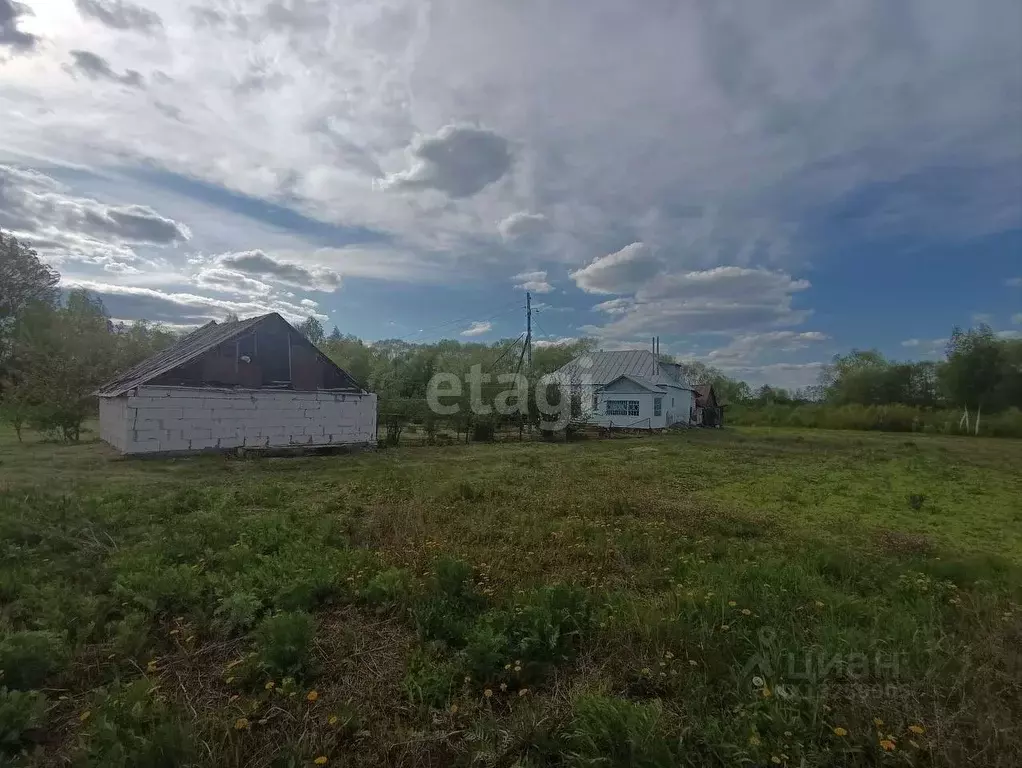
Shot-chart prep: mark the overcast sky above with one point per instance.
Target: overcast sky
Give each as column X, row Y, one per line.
column 762, row 184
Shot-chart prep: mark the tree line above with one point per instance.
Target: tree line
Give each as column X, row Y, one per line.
column 55, row 351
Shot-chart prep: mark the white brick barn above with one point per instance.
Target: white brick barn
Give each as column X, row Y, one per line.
column 255, row 383
column 630, row 389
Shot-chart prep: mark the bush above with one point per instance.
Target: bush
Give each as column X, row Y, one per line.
column 133, row 726
column 392, row 587
column 284, row 644
column 237, row 612
column 21, row 718
column 27, row 659
column 484, row 431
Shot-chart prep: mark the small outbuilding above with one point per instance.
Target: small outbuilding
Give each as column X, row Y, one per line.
column 255, row 383
column 708, row 410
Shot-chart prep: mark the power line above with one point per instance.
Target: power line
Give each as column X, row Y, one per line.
column 506, row 350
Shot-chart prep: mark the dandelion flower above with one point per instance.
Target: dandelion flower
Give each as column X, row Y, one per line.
column 887, row 745
column 839, row 731
column 488, row 693
column 758, row 681
column 332, row 720
column 746, row 612
column 788, row 734
column 877, row 722
column 819, row 603
column 270, row 685
column 754, row 740
column 454, row 709
column 775, row 760
column 85, row 715
column 506, row 666
column 731, row 603
column 321, row 760
column 767, row 693
column 151, row 666
column 918, row 730
column 312, row 696
column 241, row 724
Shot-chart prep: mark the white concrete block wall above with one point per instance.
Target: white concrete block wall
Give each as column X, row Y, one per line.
column 159, row 419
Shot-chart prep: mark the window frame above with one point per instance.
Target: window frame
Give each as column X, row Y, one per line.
column 622, row 407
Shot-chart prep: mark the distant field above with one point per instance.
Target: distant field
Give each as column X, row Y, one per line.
column 746, row 596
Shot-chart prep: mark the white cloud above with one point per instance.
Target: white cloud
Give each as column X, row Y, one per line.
column 1014, row 282
column 477, row 328
column 621, row 272
column 280, row 271
column 1010, row 334
column 555, row 342
column 981, row 318
column 752, row 347
column 533, row 281
column 724, row 299
column 460, row 160
column 183, row 307
column 230, row 281
column 926, row 348
column 523, row 225
column 121, row 15
column 1017, row 319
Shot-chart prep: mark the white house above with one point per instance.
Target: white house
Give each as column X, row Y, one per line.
column 255, row 383
column 630, row 388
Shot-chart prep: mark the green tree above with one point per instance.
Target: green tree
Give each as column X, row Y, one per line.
column 24, row 280
column 312, row 329
column 974, row 369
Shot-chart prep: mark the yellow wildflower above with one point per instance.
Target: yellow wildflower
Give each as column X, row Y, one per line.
column 241, row 724
column 918, row 730
column 151, row 666
column 332, row 720
column 454, row 709
column 487, row 693
column 312, row 696
column 731, row 603
column 767, row 693
column 887, row 745
column 839, row 731
column 270, row 685
column 85, row 715
column 754, row 740
column 321, row 760
column 877, row 722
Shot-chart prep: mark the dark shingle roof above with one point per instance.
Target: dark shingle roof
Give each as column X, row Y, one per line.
column 196, row 343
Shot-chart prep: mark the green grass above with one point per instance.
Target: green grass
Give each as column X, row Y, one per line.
column 707, row 598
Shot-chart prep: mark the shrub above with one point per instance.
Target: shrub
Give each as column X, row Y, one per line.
column 237, row 612
column 550, row 624
column 610, row 731
column 284, row 644
column 27, row 659
column 133, row 726
column 392, row 587
column 484, row 431
column 21, row 718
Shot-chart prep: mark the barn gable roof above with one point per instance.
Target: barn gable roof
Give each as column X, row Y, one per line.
column 196, row 344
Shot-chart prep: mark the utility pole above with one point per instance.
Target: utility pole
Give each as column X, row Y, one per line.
column 528, row 329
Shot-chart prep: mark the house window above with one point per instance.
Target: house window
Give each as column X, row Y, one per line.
column 672, row 402
column 657, row 405
column 622, row 407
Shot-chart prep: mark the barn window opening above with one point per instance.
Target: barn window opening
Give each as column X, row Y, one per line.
column 622, row 407
column 657, row 406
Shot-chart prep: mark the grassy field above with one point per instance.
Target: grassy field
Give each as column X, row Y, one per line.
column 748, row 596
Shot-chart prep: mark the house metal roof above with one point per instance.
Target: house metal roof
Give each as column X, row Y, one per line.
column 195, row 344
column 639, row 364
